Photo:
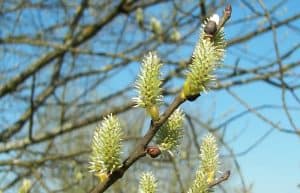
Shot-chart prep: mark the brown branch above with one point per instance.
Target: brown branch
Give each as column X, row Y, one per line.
column 262, row 30
column 221, row 179
column 203, row 10
column 28, row 114
column 139, row 150
column 66, row 128
column 85, row 35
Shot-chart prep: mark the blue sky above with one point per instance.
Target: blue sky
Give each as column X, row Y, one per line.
column 274, row 165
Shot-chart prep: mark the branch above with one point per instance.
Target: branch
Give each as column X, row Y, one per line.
column 139, row 150
column 85, row 35
column 66, row 128
column 262, row 30
column 221, row 179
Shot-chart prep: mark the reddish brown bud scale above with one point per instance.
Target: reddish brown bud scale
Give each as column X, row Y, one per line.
column 153, row 151
column 228, row 10
column 192, row 97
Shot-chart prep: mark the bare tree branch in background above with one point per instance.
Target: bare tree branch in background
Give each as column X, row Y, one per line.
column 65, row 65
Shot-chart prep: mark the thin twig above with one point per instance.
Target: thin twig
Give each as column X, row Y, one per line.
column 221, row 179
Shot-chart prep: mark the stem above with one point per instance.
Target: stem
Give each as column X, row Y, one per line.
column 139, row 150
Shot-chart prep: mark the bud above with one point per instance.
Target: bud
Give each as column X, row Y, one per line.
column 148, row 85
column 175, row 35
column 139, row 17
column 201, row 70
column 155, row 26
column 209, row 157
column 192, row 97
column 148, row 183
column 226, row 16
column 228, row 11
column 210, row 28
column 153, row 151
column 106, row 147
column 206, row 173
column 207, row 56
column 78, row 176
column 170, row 134
column 26, row 185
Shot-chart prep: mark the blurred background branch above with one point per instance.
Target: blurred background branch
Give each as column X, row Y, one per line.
column 67, row 64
